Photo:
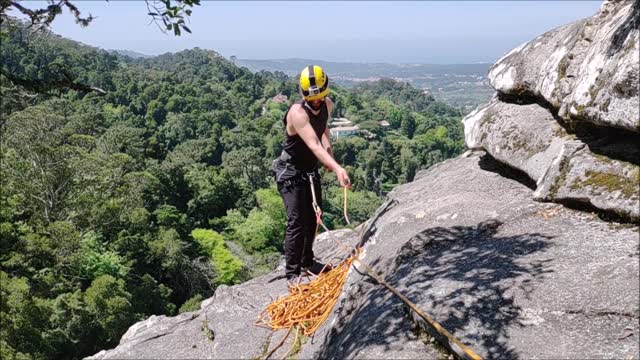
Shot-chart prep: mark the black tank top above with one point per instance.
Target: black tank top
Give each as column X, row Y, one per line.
column 301, row 156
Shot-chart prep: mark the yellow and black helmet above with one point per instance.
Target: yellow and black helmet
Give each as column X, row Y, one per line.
column 314, row 83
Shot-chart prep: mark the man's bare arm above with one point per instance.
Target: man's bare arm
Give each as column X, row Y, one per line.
column 326, row 143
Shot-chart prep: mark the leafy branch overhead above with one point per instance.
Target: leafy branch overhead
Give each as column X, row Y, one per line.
column 168, row 15
column 63, row 80
column 171, row 13
column 42, row 17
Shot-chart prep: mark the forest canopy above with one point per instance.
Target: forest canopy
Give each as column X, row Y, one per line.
column 143, row 197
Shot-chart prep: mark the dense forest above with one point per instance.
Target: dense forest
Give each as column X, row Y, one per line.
column 133, row 187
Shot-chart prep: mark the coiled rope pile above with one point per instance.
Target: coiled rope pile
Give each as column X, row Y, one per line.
column 308, row 305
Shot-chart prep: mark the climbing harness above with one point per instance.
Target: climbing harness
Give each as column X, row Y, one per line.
column 308, row 305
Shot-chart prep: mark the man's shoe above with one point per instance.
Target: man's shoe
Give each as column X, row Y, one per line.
column 317, row 268
column 293, row 280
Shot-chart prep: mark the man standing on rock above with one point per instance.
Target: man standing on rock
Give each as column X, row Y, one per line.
column 296, row 170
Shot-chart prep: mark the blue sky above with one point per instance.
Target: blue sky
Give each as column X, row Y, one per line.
column 350, row 31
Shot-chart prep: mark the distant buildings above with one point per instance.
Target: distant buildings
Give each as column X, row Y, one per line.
column 344, row 131
column 342, row 127
column 338, row 122
column 280, row 98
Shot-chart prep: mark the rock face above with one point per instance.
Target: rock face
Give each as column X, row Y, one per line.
column 560, row 100
column 579, row 175
column 588, row 70
column 508, row 276
column 526, row 137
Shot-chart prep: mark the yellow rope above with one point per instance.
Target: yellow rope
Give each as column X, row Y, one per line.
column 344, row 211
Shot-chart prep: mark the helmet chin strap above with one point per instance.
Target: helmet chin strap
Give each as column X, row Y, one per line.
column 308, row 105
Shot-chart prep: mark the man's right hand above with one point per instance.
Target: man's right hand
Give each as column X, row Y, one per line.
column 343, row 177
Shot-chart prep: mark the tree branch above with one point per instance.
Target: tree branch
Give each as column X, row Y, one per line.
column 42, row 86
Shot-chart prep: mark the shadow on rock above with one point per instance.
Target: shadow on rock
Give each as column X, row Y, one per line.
column 469, row 276
column 489, row 163
column 464, row 277
column 375, row 328
column 631, row 23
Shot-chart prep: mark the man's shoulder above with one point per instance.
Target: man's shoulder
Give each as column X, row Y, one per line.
column 296, row 112
column 296, row 107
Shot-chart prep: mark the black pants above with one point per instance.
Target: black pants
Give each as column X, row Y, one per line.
column 301, row 224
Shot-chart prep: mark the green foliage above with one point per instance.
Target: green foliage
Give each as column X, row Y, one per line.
column 257, row 233
column 169, row 217
column 227, row 266
column 192, row 304
column 213, row 193
column 104, row 198
column 38, row 160
column 270, row 202
column 110, row 305
column 168, row 249
column 19, row 315
column 93, row 260
column 408, row 126
column 208, row 239
column 397, row 92
column 68, row 330
column 247, row 163
column 360, row 205
column 149, row 297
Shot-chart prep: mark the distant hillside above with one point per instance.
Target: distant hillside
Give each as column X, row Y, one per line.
column 461, row 85
column 130, row 53
column 363, row 70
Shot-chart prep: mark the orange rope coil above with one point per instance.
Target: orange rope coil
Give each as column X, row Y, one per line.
column 307, row 306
